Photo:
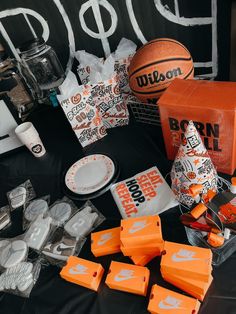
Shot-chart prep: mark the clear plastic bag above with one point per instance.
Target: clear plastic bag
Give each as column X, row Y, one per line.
column 60, row 246
column 20, row 279
column 5, row 217
column 38, row 232
column 84, row 221
column 20, row 195
column 12, row 252
column 34, row 208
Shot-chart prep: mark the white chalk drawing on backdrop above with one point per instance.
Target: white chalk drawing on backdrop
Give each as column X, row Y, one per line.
column 24, row 12
column 195, row 21
column 103, row 35
column 188, row 22
column 46, row 32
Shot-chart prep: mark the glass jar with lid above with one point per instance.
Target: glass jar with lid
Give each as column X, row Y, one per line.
column 42, row 63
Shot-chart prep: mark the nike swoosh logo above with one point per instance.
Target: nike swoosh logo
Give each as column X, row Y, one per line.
column 61, row 247
column 177, row 259
column 164, row 306
column 78, row 271
column 138, row 228
column 118, row 278
column 101, row 242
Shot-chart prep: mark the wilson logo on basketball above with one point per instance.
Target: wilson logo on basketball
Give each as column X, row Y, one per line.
column 156, row 77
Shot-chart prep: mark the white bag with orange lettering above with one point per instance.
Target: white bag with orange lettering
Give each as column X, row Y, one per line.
column 81, row 111
column 147, row 193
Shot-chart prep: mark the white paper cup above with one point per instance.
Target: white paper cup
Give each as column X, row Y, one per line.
column 29, row 136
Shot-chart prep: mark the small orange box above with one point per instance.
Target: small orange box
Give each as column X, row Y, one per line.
column 148, row 249
column 211, row 105
column 187, row 287
column 188, row 284
column 105, row 242
column 142, row 260
column 186, row 260
column 129, row 278
column 141, row 231
column 82, row 272
column 163, row 300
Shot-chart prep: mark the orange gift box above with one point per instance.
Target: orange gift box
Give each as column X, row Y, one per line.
column 140, row 231
column 163, row 301
column 105, row 242
column 82, row 272
column 142, row 260
column 186, row 287
column 188, row 284
column 148, row 249
column 129, row 278
column 186, row 260
column 211, row 105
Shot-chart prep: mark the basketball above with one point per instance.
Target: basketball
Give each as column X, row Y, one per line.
column 155, row 65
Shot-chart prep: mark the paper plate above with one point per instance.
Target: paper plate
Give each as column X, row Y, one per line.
column 89, row 174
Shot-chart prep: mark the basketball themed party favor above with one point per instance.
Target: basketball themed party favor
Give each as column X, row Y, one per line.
column 141, row 236
column 188, row 268
column 80, row 110
column 187, row 261
column 163, row 301
column 105, row 242
column 146, row 193
column 83, row 272
column 201, row 101
column 192, row 166
column 123, row 55
column 107, row 95
column 19, row 196
column 155, row 65
column 129, row 278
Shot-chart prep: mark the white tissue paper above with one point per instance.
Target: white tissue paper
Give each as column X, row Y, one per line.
column 123, row 55
column 85, row 60
column 80, row 110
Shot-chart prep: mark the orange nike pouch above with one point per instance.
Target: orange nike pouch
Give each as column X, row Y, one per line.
column 82, row 272
column 128, row 278
column 105, row 242
column 186, row 260
column 163, row 301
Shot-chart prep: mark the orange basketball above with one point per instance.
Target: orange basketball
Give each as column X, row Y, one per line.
column 155, row 65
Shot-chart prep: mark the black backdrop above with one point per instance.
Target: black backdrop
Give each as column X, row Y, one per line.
column 98, row 25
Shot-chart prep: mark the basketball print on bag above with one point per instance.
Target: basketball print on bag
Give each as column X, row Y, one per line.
column 155, row 65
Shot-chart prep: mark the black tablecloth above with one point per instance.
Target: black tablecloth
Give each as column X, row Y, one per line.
column 135, row 147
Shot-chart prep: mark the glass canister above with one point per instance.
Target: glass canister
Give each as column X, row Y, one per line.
column 42, row 63
column 13, row 84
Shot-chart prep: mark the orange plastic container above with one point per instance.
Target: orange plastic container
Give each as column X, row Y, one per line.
column 212, row 107
column 140, row 231
column 105, row 242
column 82, row 272
column 164, row 301
column 129, row 278
column 186, row 260
column 188, row 284
column 148, row 249
column 142, row 260
column 186, row 287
